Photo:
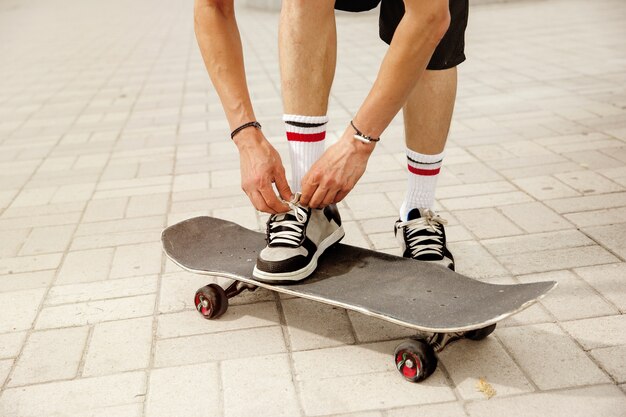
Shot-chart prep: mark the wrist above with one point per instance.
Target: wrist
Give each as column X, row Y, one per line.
column 249, row 138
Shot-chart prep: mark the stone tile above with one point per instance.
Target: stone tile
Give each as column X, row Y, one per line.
column 370, row 329
column 451, row 409
column 26, row 281
column 133, row 260
column 19, row 309
column 608, row 401
column 550, row 260
column 12, row 241
column 313, row 325
column 91, row 312
column 598, row 331
column 473, row 260
column 537, row 242
column 50, row 355
column 78, row 396
column 10, row 344
column 612, row 237
column 86, row 266
column 608, row 281
column 219, row 346
column 484, row 201
column 354, row 236
column 362, row 207
column 192, row 397
column 588, row 202
column 121, row 226
column 487, row 223
column 597, row 217
column 589, row 182
column 119, row 346
column 370, row 392
column 262, row 388
column 466, row 190
column 340, row 361
column 103, row 290
column 5, row 368
column 546, row 354
column 187, row 323
column 105, row 209
column 115, row 239
column 147, row 205
column 467, row 361
column 535, row 217
column 573, row 298
column 613, row 361
column 545, row 187
column 29, row 263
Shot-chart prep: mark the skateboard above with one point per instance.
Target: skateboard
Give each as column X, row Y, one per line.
column 441, row 305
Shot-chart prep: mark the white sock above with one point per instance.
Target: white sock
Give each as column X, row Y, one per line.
column 423, row 174
column 306, row 136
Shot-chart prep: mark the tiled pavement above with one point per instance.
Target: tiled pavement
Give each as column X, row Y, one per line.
column 109, row 130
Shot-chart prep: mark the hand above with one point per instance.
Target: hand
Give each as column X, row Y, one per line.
column 334, row 175
column 260, row 167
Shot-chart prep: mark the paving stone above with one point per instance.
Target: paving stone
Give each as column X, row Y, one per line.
column 19, row 309
column 74, row 397
column 545, row 187
column 91, row 312
column 487, row 223
column 12, row 241
column 86, row 266
column 5, row 368
column 219, row 346
column 612, row 360
column 546, row 353
column 483, row 201
column 10, row 344
column 612, row 237
column 467, row 361
column 549, row 260
column 536, row 242
column 26, row 281
column 121, row 226
column 588, row 202
column 354, row 236
column 370, row 392
column 105, row 209
column 115, row 239
column 187, row 323
column 103, row 290
column 313, row 325
column 589, row 182
column 371, row 329
column 192, row 397
column 608, row 281
column 450, row 409
column 597, row 217
column 133, row 260
column 598, row 331
column 50, row 355
column 340, row 361
column 535, row 217
column 119, row 346
column 29, row 263
column 607, row 401
column 270, row 393
column 573, row 298
column 473, row 260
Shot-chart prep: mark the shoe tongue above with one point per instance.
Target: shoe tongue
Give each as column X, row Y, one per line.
column 414, row 214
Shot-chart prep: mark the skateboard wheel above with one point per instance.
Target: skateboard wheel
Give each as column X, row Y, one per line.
column 415, row 360
column 211, row 301
column 480, row 334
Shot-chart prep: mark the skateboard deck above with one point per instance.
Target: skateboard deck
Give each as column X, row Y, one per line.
column 418, row 295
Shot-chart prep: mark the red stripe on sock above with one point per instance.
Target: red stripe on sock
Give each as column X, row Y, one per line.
column 425, row 172
column 306, row 137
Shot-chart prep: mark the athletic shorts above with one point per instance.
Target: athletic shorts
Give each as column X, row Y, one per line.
column 451, row 49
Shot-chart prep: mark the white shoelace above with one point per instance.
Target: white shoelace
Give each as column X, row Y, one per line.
column 295, row 227
column 431, row 223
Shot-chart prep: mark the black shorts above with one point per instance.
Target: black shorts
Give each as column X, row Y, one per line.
column 451, row 50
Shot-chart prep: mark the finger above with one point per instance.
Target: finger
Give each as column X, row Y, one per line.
column 308, row 189
column 318, row 197
column 272, row 201
column 259, row 202
column 283, row 186
column 330, row 198
column 341, row 195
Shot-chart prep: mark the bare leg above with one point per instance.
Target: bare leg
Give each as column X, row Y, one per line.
column 428, row 111
column 308, row 50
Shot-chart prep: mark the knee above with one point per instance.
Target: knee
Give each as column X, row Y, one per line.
column 433, row 14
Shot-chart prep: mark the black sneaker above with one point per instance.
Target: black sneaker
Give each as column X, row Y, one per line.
column 423, row 237
column 295, row 240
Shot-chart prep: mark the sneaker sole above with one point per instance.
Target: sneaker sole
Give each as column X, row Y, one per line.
column 299, row 275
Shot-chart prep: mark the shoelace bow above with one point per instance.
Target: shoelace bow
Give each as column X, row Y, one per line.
column 288, row 228
column 418, row 243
